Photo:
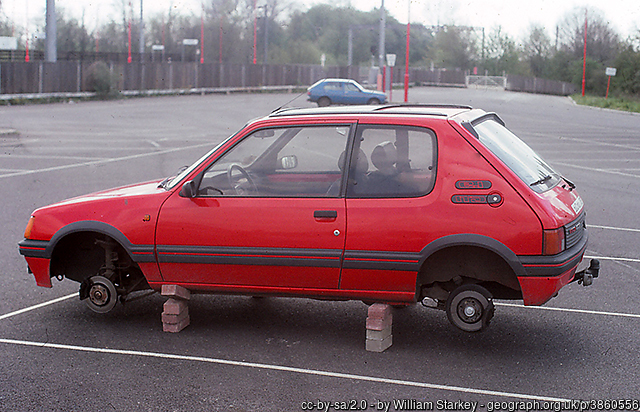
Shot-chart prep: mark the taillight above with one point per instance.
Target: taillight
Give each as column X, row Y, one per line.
column 553, row 241
column 27, row 231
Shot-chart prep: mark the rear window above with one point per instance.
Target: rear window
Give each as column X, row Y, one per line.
column 517, row 155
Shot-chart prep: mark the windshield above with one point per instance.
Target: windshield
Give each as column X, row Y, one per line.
column 519, row 157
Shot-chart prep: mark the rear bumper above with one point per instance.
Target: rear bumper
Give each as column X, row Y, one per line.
column 544, row 276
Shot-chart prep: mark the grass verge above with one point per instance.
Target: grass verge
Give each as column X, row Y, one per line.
column 625, row 103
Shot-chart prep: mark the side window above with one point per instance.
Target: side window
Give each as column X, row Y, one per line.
column 280, row 162
column 351, row 87
column 393, row 161
column 333, row 87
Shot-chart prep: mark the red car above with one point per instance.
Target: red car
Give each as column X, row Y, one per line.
column 395, row 204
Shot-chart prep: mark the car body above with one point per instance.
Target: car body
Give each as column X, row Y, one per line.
column 326, row 92
column 397, row 204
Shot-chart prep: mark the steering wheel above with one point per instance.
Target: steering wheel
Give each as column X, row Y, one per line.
column 237, row 185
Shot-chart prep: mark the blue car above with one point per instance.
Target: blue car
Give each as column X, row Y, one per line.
column 343, row 91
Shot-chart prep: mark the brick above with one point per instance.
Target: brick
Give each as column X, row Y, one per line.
column 373, row 334
column 168, row 318
column 176, row 327
column 175, row 307
column 375, row 345
column 378, row 324
column 379, row 311
column 176, row 292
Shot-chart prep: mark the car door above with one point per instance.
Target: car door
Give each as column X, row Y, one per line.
column 266, row 216
column 389, row 208
column 353, row 95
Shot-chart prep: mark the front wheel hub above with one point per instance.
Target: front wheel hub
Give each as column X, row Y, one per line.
column 100, row 292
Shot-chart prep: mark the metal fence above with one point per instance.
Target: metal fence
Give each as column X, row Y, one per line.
column 70, row 76
column 541, row 86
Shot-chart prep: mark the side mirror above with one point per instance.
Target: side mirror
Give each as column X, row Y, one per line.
column 188, row 189
column 289, row 162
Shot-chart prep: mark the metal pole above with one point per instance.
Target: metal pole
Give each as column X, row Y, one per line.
column 51, row 49
column 350, row 47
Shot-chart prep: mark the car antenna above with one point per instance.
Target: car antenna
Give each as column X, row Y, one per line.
column 281, row 107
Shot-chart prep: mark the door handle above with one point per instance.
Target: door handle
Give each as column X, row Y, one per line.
column 325, row 214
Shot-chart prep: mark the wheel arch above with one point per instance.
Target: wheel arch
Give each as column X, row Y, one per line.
column 480, row 258
column 62, row 249
column 137, row 253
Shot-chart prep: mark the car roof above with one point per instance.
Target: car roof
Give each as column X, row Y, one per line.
column 437, row 110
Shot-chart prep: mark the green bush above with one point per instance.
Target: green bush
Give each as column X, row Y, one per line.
column 100, row 80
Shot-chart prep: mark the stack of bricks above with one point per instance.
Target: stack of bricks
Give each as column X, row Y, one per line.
column 175, row 316
column 379, row 319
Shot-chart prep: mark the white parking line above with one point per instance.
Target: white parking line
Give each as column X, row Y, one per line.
column 110, row 160
column 619, row 259
column 594, row 169
column 280, row 368
column 583, row 311
column 625, row 229
column 38, row 306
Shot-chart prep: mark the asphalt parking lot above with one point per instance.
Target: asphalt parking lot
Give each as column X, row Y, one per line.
column 277, row 354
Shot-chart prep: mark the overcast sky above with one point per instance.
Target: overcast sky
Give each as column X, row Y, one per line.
column 514, row 16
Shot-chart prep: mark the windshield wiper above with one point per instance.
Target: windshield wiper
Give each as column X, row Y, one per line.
column 541, row 181
column 164, row 183
column 570, row 183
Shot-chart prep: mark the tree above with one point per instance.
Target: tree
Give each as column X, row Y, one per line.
column 502, row 54
column 537, row 50
column 453, row 48
column 603, row 43
column 628, row 76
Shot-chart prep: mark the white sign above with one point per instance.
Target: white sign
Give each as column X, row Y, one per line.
column 157, row 47
column 391, row 60
column 8, row 43
column 190, row 42
column 610, row 71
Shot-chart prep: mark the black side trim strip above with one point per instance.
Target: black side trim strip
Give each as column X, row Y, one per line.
column 250, row 256
column 557, row 264
column 375, row 260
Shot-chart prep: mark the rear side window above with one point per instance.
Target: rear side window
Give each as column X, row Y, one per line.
column 333, row 87
column 517, row 155
column 392, row 162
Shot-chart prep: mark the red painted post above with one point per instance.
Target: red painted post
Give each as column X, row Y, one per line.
column 390, row 84
column 129, row 42
column 584, row 60
column 202, row 34
column 255, row 32
column 406, row 64
column 384, row 79
column 608, row 83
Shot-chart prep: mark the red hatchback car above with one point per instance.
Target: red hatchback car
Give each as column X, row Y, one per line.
column 394, row 204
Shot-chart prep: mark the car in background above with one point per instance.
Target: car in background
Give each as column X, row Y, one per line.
column 397, row 204
column 326, row 92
